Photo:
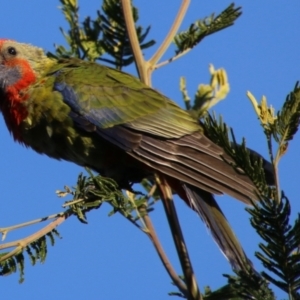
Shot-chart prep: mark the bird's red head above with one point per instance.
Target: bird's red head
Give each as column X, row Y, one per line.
column 16, row 75
column 15, row 70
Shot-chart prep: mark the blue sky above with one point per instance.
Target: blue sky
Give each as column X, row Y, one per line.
column 109, row 258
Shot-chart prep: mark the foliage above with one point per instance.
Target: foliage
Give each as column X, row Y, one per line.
column 197, row 31
column 36, row 251
column 106, row 34
column 270, row 217
column 92, row 191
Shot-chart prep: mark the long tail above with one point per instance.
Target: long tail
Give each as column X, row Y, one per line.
column 206, row 206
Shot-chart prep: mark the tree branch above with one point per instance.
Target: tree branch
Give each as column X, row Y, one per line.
column 163, row 257
column 189, row 276
column 169, row 38
column 23, row 243
column 149, row 230
column 6, row 230
column 165, row 62
column 141, row 64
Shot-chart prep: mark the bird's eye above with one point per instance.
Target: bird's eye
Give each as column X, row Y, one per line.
column 12, row 51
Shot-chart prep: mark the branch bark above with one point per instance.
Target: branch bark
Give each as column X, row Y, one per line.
column 182, row 251
column 23, row 243
column 170, row 36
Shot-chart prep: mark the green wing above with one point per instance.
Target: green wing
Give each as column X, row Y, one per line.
column 107, row 98
column 147, row 125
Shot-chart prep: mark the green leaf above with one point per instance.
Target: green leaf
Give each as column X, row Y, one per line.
column 200, row 29
column 288, row 118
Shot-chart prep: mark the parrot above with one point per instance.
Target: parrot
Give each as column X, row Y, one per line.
column 107, row 120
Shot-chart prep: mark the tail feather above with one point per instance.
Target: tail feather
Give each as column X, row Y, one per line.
column 211, row 214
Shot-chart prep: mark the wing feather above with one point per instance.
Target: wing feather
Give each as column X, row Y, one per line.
column 107, row 98
column 149, row 127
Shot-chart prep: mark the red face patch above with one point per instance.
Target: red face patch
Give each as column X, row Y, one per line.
column 19, row 77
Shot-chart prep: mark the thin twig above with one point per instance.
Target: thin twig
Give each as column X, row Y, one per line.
column 6, row 230
column 72, row 202
column 128, row 218
column 274, row 162
column 130, row 196
column 172, row 32
column 165, row 62
column 167, row 199
column 276, row 175
column 141, row 64
column 163, row 257
column 151, row 232
column 145, row 68
column 23, row 243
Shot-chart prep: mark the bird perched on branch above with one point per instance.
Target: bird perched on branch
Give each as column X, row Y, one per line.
column 108, row 120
